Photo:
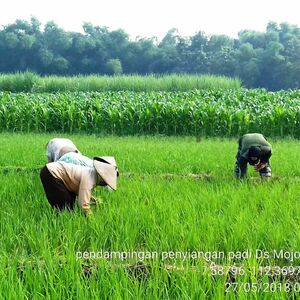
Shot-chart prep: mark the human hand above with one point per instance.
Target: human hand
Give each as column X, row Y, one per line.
column 260, row 166
column 95, row 201
column 88, row 213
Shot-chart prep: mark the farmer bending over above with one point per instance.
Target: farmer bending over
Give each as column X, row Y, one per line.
column 255, row 150
column 64, row 181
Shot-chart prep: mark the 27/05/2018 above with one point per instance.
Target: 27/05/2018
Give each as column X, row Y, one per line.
column 264, row 287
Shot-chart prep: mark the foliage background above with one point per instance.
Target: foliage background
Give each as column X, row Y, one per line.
column 269, row 59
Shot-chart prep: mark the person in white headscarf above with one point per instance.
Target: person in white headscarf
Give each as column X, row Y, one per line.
column 57, row 147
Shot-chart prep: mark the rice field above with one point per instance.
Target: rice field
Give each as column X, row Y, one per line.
column 175, row 195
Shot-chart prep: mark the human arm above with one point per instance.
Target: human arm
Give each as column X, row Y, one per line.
column 84, row 196
column 242, row 164
column 265, row 155
column 241, row 161
column 87, row 183
column 264, row 159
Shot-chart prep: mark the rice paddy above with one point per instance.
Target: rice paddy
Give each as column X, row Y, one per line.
column 176, row 198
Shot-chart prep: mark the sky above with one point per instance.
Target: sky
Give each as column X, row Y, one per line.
column 153, row 18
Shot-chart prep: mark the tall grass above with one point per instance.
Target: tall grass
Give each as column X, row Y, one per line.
column 18, row 82
column 31, row 82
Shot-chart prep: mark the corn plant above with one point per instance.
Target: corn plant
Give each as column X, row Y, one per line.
column 198, row 112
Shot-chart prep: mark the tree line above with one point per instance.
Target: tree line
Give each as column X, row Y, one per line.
column 269, row 59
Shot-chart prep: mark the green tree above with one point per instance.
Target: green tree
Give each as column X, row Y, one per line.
column 198, row 54
column 166, row 58
column 220, row 52
column 247, row 67
column 114, row 67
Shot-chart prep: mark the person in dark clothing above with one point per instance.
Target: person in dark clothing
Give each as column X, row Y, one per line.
column 256, row 150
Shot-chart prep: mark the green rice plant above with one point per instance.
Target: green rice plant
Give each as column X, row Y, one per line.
column 159, row 206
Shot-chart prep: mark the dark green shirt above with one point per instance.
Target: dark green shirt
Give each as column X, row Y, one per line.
column 255, row 139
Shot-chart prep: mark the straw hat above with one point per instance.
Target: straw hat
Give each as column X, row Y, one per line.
column 106, row 168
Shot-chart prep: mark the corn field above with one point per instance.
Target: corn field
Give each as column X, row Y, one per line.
column 198, row 112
